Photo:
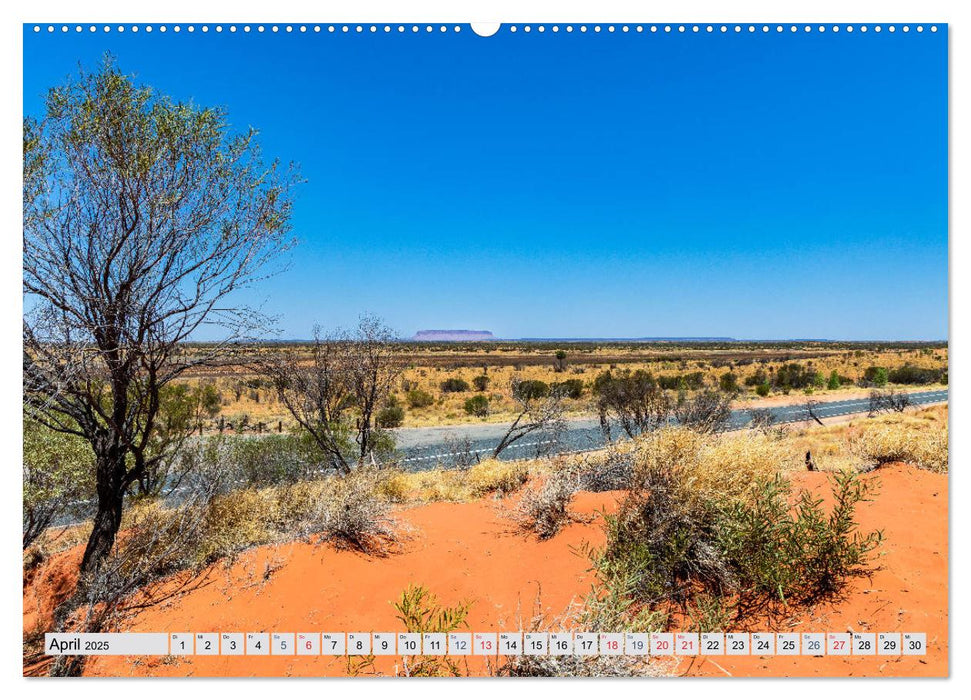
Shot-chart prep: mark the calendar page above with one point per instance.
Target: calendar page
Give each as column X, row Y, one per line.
column 485, row 350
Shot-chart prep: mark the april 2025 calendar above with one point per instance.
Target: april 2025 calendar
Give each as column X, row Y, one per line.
column 491, row 644
column 610, row 349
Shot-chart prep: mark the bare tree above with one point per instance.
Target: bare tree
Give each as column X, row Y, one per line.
column 762, row 419
column 634, row 400
column 811, row 411
column 142, row 217
column 707, row 412
column 537, row 411
column 335, row 395
column 887, row 401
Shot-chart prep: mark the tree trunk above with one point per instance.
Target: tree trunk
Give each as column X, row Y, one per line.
column 107, row 520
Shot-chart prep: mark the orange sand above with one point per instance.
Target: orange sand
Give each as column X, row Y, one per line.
column 472, row 551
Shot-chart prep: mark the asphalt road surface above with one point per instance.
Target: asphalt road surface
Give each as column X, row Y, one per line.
column 427, row 448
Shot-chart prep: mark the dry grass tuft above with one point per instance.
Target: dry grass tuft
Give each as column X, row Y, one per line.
column 904, row 438
column 489, row 477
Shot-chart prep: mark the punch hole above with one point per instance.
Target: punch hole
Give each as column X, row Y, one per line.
column 486, row 28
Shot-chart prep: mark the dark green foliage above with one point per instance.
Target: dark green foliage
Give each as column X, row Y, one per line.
column 834, row 380
column 763, row 389
column 692, row 381
column 669, row 546
column 794, row 376
column 728, row 383
column 454, row 385
column 632, row 399
column 797, row 555
column 271, row 459
column 477, row 405
column 531, row 389
column 418, row 398
column 876, row 376
column 706, row 412
column 392, row 415
column 759, row 377
column 908, row 374
column 481, row 382
column 571, row 388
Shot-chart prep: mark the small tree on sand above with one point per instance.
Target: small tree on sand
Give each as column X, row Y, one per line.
column 142, row 216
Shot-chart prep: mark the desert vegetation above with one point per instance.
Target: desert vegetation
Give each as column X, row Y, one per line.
column 154, row 463
column 437, row 380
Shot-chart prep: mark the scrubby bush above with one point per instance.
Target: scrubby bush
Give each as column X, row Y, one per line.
column 763, row 389
column 527, row 389
column 480, row 479
column 481, row 382
column 236, row 521
column 349, row 512
column 418, row 398
column 58, row 473
column 454, row 385
column 674, row 539
column 692, row 381
column 728, row 383
column 757, row 378
column 420, row 612
column 908, row 374
column 633, row 400
column 797, row 554
column 875, row 376
column 706, row 412
column 887, row 401
column 267, row 460
column 477, row 405
column 834, row 380
column 392, row 415
column 571, row 388
column 543, row 508
column 794, row 376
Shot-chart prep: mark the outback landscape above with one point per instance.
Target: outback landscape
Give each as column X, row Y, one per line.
column 218, row 436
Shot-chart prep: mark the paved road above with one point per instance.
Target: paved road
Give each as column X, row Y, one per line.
column 426, row 448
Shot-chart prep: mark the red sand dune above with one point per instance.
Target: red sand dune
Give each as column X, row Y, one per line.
column 473, row 552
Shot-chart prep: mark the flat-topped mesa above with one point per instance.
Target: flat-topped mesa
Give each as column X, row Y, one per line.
column 453, row 335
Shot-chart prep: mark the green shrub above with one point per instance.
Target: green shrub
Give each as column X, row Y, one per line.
column 477, row 405
column 876, row 376
column 420, row 612
column 794, row 376
column 728, row 383
column 481, row 382
column 58, row 473
column 834, row 380
column 417, row 398
column 531, row 389
column 908, row 374
column 763, row 389
column 272, row 459
column 759, row 377
column 796, row 555
column 672, row 544
column 391, row 415
column 571, row 388
column 454, row 385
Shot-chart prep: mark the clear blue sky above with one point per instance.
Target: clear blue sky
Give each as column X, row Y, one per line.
column 584, row 185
